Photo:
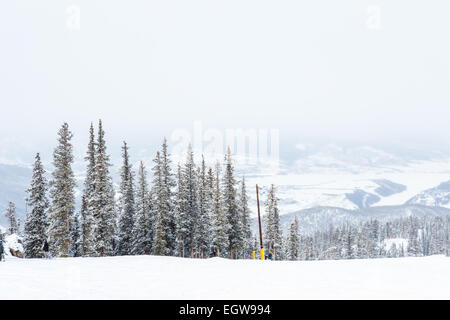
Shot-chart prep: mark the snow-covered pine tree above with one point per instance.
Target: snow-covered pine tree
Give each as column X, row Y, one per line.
column 179, row 213
column 103, row 199
column 220, row 221
column 162, row 184
column 35, row 232
column 159, row 244
column 143, row 225
column 84, row 235
column 114, row 226
column 308, row 251
column 87, row 207
column 76, row 249
column 187, row 217
column 285, row 248
column 373, row 246
column 272, row 232
column 293, row 241
column 126, row 205
column 447, row 236
column 413, row 241
column 231, row 211
column 392, row 252
column 210, row 186
column 167, row 195
column 204, row 212
column 210, row 195
column 10, row 214
column 244, row 213
column 62, row 194
column 348, row 243
column 361, row 250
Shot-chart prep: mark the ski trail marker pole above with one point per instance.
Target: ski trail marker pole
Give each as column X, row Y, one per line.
column 261, row 251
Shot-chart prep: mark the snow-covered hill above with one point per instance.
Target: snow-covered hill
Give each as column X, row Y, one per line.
column 435, row 197
column 334, row 180
column 320, row 218
column 322, row 176
column 150, row 277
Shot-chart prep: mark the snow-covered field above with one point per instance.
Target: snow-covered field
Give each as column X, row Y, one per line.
column 150, row 277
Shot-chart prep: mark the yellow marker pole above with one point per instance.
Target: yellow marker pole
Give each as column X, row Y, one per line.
column 261, row 252
column 254, row 254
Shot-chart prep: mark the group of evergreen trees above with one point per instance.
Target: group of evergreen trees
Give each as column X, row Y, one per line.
column 13, row 222
column 412, row 236
column 197, row 212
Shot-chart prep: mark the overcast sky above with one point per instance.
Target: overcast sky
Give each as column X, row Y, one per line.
column 333, row 71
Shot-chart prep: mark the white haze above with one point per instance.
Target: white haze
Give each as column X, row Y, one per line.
column 314, row 70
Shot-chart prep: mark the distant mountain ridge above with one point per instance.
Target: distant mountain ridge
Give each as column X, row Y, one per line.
column 345, row 178
column 321, row 218
column 435, row 197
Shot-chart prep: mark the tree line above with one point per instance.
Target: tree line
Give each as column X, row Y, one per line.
column 403, row 237
column 196, row 211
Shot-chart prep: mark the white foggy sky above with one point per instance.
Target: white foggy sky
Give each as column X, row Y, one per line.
column 313, row 69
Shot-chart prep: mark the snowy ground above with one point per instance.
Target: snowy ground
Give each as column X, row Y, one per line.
column 149, row 277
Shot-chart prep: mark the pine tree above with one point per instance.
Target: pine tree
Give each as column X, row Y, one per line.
column 373, row 239
column 163, row 182
column 127, row 205
column 76, row 249
column 204, row 211
column 413, row 242
column 293, row 241
column 143, row 226
column 230, row 208
column 62, row 194
column 348, row 240
column 273, row 235
column 392, row 253
column 447, row 236
column 36, row 220
column 179, row 212
column 19, row 227
column 361, row 250
column 167, row 196
column 244, row 213
column 187, row 213
column 88, row 202
column 103, row 199
column 10, row 214
column 220, row 221
column 159, row 243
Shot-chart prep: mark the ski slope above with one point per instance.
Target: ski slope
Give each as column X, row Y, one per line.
column 150, row 277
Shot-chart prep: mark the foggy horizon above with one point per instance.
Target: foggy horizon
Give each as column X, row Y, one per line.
column 351, row 74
